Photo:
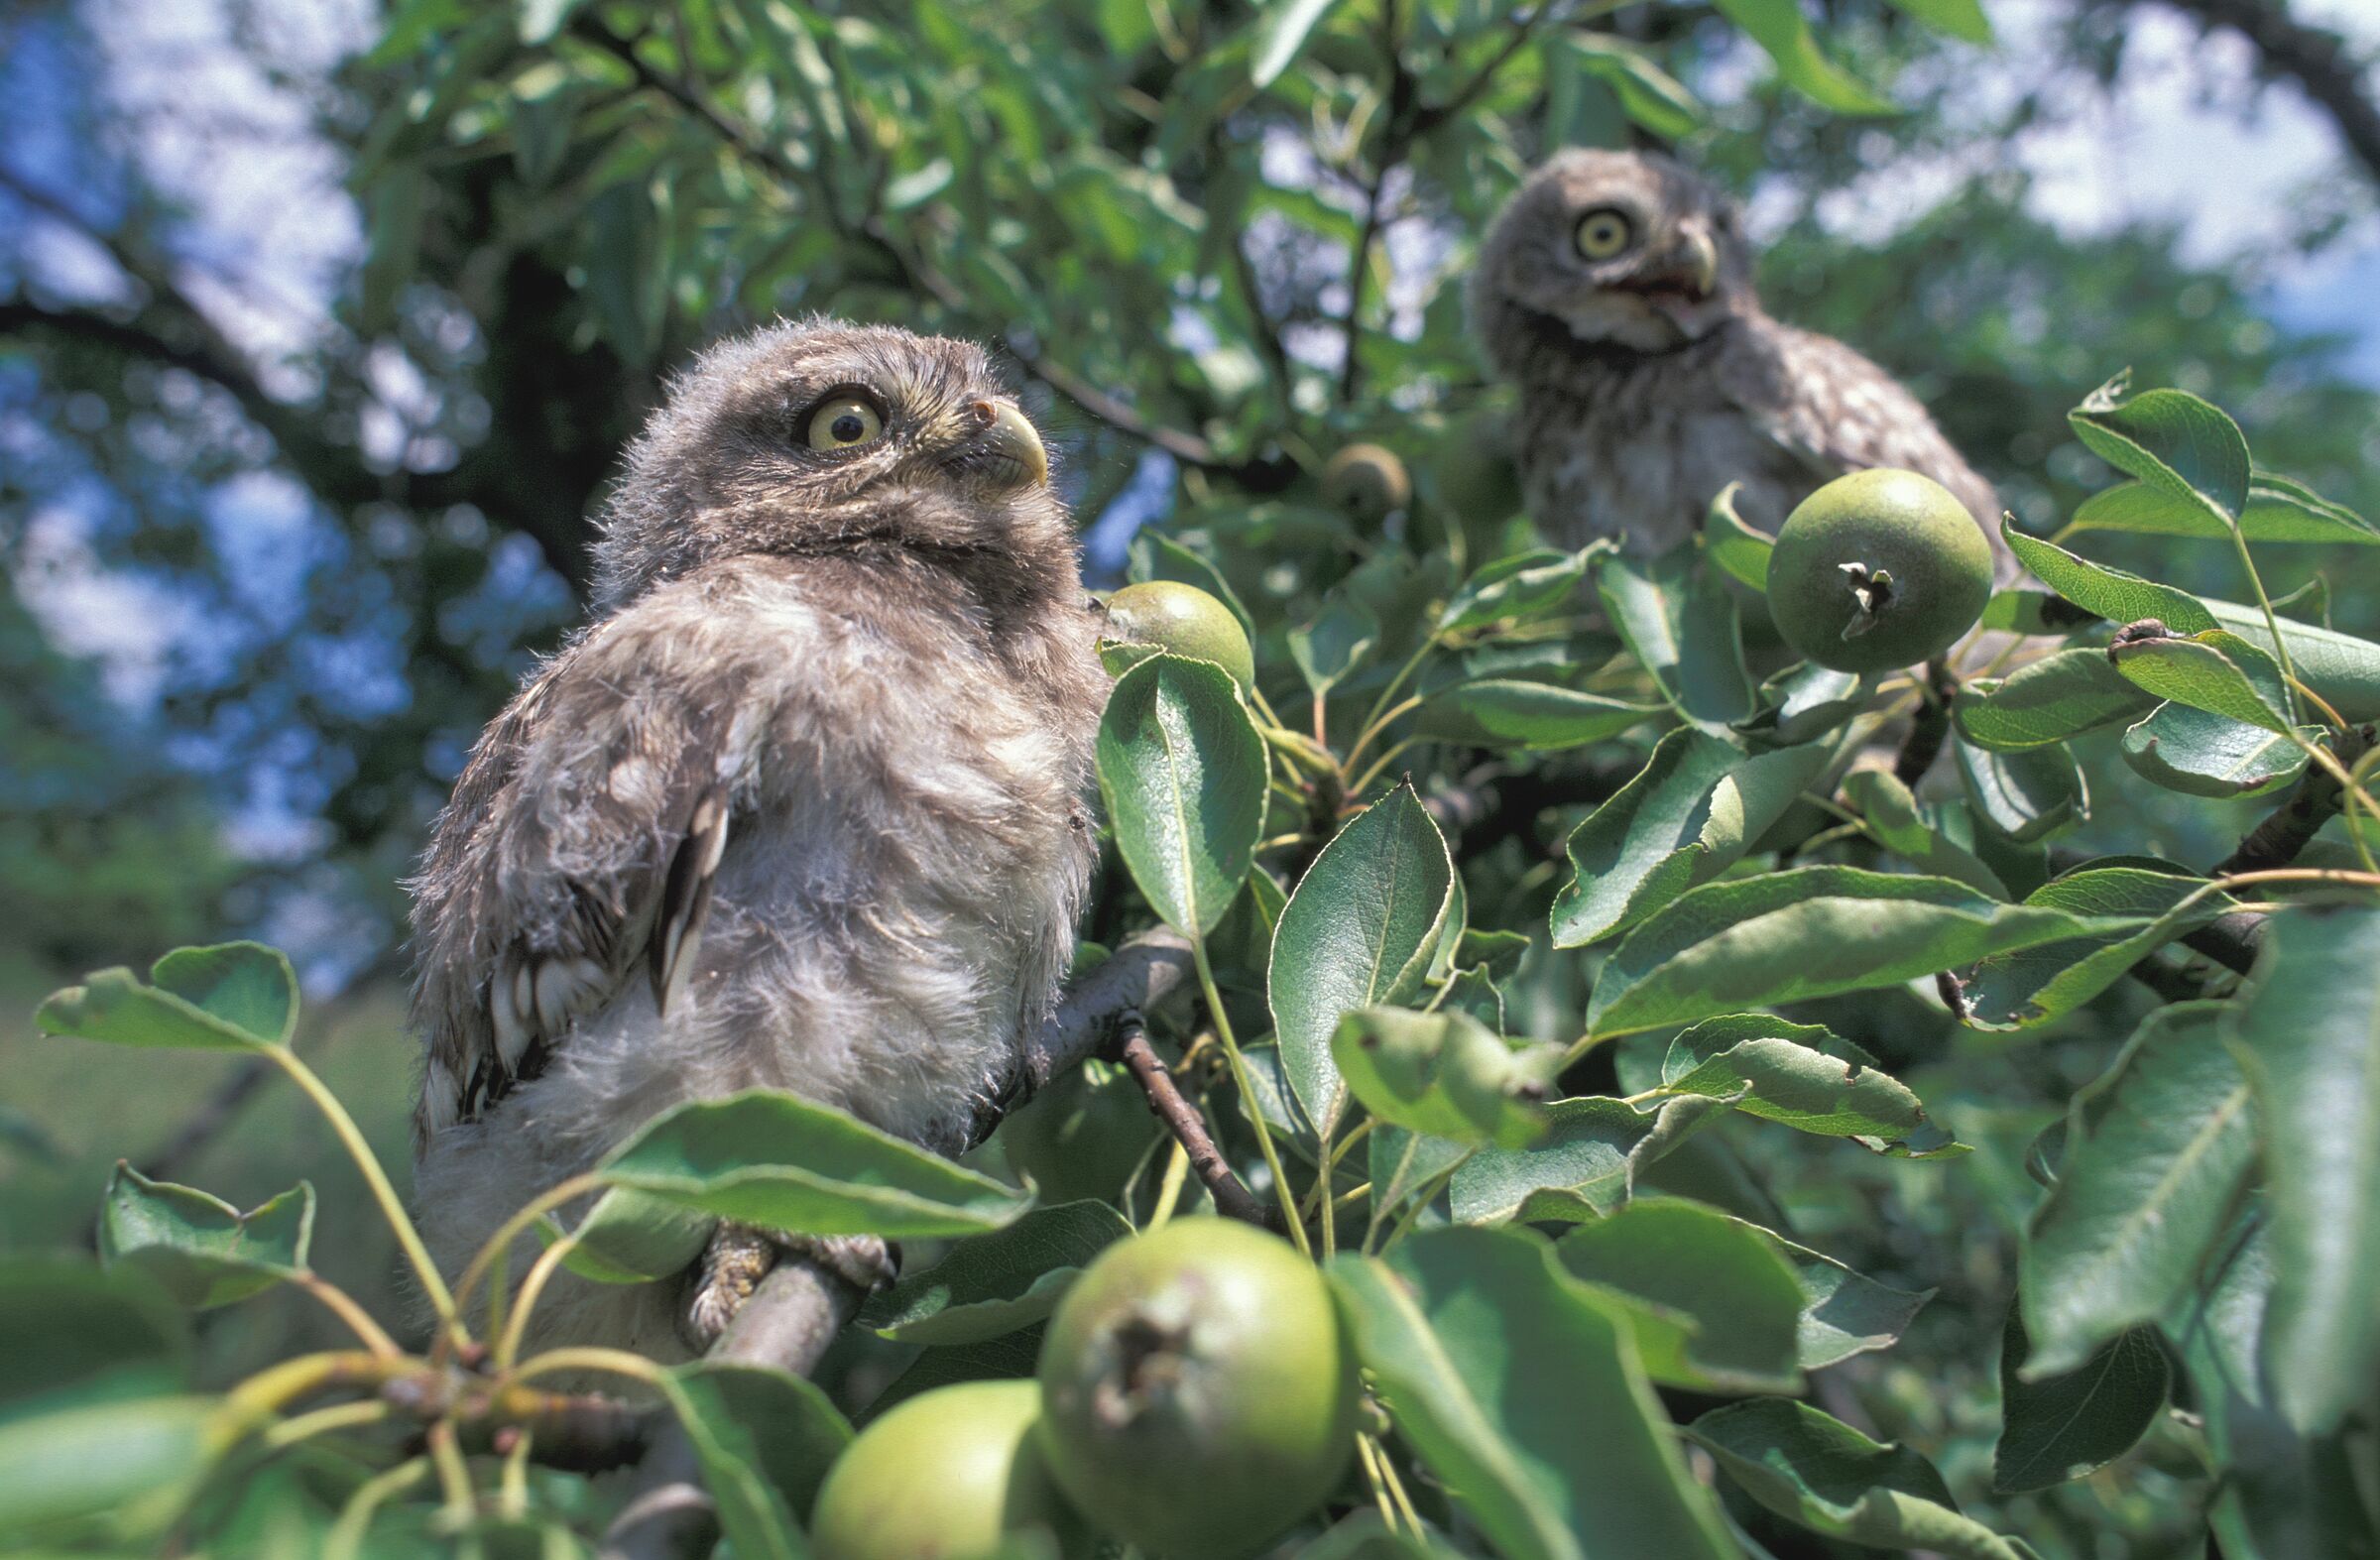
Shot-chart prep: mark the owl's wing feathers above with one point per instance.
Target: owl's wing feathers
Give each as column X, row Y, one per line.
column 1831, row 412
column 581, row 844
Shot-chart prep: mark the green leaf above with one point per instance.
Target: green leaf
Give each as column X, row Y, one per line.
column 1804, row 702
column 777, row 1159
column 2217, row 672
column 1961, row 19
column 2171, row 441
column 197, row 1248
column 1843, row 1312
column 2048, row 701
column 1805, row 1077
column 1334, row 643
column 2147, row 1184
column 1281, row 35
column 2139, row 905
column 1359, row 933
column 1445, row 1074
column 1777, row 27
column 996, row 1284
column 1183, row 773
column 1813, row 1469
column 1648, row 94
column 2279, row 510
column 753, row 1513
column 2026, row 796
column 1893, row 817
column 235, row 996
column 2054, row 1428
column 2109, row 592
column 1366, row 1535
column 2308, row 1036
column 1497, row 712
column 2343, row 670
column 796, row 1431
column 131, row 1463
column 1583, row 1168
column 1811, row 932
column 1517, row 588
column 1738, row 550
column 630, row 1237
column 1687, row 816
column 1521, row 1394
column 1714, row 1305
column 70, row 1334
column 2205, row 755
column 1010, row 1358
column 1681, row 624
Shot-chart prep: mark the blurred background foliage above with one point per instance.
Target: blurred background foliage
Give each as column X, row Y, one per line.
column 286, row 520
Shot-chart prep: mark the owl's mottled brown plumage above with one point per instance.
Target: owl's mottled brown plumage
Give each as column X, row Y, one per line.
column 802, row 808
column 1651, row 378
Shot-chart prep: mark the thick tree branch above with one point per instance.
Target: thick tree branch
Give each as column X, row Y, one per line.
column 1232, row 1197
column 2315, row 800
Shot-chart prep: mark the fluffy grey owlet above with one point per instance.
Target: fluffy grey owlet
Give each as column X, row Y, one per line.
column 800, row 808
column 1615, row 291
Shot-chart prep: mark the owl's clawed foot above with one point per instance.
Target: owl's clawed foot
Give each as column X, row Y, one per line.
column 740, row 1255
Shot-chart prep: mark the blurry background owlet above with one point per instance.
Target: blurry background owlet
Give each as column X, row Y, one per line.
column 799, row 809
column 1615, row 291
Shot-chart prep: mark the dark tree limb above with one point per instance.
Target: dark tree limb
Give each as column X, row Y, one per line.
column 2315, row 800
column 1232, row 1197
column 1931, row 727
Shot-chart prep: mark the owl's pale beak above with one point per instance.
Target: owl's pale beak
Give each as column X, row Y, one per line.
column 1006, row 449
column 1699, row 261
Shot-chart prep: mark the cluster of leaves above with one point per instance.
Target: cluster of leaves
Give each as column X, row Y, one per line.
column 1538, row 1273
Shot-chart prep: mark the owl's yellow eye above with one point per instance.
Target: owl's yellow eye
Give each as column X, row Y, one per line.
column 1604, row 232
column 844, row 421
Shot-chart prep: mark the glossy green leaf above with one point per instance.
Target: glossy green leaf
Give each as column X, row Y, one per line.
column 1523, row 1397
column 199, row 1249
column 788, row 1163
column 2026, row 796
column 1281, row 35
column 1530, row 716
column 234, row 997
column 1183, row 773
column 1961, row 19
column 1739, row 550
column 1895, row 820
column 2146, row 1184
column 2343, row 670
column 1445, row 1074
column 1516, row 590
column 2048, row 701
column 1714, row 1305
column 2057, row 1427
column 71, row 1333
column 1777, row 26
column 2217, row 672
column 1359, row 933
column 1366, row 1535
column 1681, row 624
column 2171, row 441
column 1688, row 815
column 753, row 1515
column 630, row 1237
column 131, row 1462
column 2308, row 1036
column 1335, row 643
column 1811, row 932
column 2109, row 592
column 1802, row 1076
column 1805, row 702
column 1843, row 1312
column 1648, row 94
column 2139, row 905
column 1581, row 1169
column 795, row 1430
column 995, row 1283
column 2205, row 755
column 2279, row 510
column 1811, row 1468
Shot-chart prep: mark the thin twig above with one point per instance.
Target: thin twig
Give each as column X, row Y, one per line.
column 1232, row 1197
